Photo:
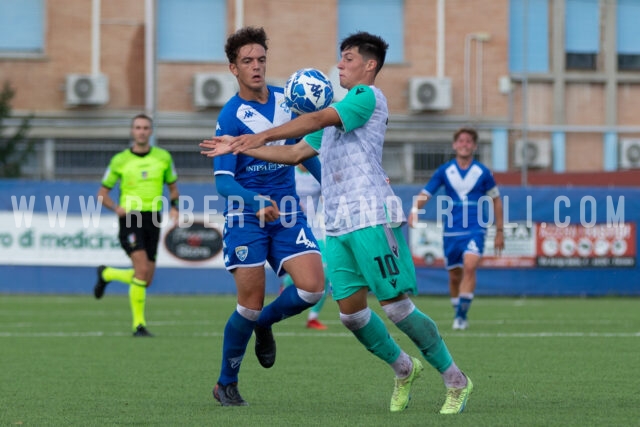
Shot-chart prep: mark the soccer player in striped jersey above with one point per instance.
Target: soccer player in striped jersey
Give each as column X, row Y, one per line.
column 263, row 218
column 466, row 182
column 366, row 250
column 143, row 171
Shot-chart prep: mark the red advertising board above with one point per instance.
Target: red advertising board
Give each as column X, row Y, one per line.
column 575, row 245
column 540, row 245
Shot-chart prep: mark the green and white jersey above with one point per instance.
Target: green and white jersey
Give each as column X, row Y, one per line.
column 142, row 178
column 355, row 187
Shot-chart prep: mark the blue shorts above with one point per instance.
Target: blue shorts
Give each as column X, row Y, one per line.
column 456, row 246
column 247, row 244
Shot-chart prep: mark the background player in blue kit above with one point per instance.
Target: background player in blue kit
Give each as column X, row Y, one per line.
column 465, row 181
column 263, row 218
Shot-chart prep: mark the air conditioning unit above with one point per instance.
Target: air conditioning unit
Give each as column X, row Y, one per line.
column 84, row 89
column 429, row 93
column 629, row 153
column 213, row 89
column 536, row 151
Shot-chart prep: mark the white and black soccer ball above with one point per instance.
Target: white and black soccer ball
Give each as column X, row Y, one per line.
column 308, row 90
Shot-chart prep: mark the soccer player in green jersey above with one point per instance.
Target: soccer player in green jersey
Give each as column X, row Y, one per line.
column 366, row 250
column 142, row 171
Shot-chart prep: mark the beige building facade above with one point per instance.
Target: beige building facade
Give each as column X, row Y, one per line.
column 455, row 69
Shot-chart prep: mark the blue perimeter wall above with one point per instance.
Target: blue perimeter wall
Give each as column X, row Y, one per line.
column 491, row 281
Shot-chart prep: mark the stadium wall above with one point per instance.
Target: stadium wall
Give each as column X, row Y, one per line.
column 567, row 210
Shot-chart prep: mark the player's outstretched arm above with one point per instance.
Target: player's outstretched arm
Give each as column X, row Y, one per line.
column 216, row 146
column 225, row 144
column 286, row 154
column 296, row 128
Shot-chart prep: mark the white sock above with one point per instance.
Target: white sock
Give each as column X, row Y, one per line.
column 453, row 377
column 403, row 365
column 399, row 310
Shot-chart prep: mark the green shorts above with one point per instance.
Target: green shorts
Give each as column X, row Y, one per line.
column 364, row 258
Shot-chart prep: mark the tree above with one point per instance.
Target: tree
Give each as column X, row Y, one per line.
column 14, row 150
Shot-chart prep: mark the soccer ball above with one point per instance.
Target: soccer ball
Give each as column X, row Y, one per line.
column 308, row 90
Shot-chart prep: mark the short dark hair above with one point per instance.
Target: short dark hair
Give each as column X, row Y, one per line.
column 369, row 46
column 471, row 131
column 243, row 37
column 141, row 116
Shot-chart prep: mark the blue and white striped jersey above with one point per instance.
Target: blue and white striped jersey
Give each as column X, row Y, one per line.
column 275, row 180
column 463, row 188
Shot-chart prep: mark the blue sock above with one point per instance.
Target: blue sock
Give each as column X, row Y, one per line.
column 463, row 307
column 237, row 333
column 286, row 305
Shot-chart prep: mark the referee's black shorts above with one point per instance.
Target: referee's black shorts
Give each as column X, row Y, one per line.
column 140, row 231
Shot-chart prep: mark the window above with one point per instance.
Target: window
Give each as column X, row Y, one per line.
column 582, row 36
column 21, row 27
column 529, row 36
column 384, row 18
column 628, row 34
column 196, row 32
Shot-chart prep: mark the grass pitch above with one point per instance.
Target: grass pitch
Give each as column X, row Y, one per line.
column 71, row 360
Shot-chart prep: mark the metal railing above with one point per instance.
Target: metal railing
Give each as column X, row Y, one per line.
column 87, row 159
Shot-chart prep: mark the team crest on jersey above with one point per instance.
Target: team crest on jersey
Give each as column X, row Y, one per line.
column 145, row 174
column 242, row 252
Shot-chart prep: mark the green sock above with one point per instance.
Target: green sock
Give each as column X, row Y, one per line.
column 137, row 298
column 124, row 275
column 375, row 337
column 316, row 308
column 424, row 333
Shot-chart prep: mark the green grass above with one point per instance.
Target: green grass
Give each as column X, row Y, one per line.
column 70, row 361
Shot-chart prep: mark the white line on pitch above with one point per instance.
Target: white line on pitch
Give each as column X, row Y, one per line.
column 91, row 334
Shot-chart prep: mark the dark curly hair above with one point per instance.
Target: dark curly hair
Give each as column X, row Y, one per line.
column 243, row 37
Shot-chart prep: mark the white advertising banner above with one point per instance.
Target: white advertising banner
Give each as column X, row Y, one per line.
column 76, row 240
column 425, row 242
